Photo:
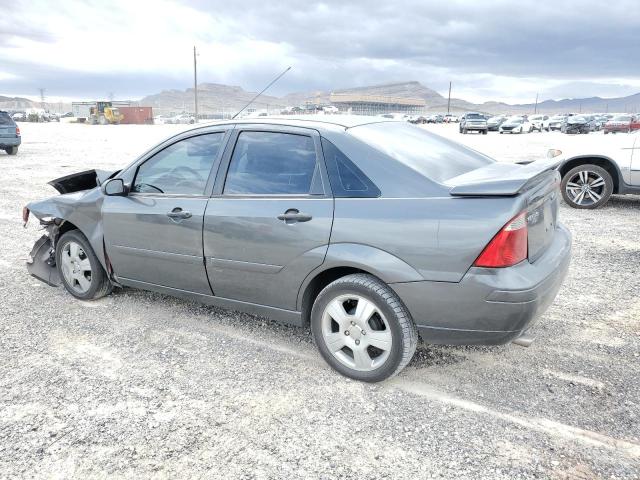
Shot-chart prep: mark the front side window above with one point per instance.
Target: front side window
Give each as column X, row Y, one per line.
column 271, row 163
column 180, row 169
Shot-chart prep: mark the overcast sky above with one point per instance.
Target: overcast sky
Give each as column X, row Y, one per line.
column 490, row 49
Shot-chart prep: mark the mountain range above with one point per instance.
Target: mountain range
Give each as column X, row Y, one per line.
column 227, row 99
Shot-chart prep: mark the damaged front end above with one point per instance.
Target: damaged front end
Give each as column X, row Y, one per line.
column 79, row 207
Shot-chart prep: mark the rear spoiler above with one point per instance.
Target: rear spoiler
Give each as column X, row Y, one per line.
column 501, row 179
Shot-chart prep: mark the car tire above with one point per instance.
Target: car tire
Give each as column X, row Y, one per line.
column 12, row 151
column 599, row 180
column 484, row 132
column 74, row 251
column 335, row 313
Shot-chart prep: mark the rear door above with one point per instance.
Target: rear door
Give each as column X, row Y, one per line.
column 268, row 223
column 154, row 235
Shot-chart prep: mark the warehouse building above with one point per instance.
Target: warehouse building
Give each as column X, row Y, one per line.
column 376, row 104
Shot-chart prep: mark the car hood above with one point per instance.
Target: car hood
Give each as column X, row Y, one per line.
column 84, row 180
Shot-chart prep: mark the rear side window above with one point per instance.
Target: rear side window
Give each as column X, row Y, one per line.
column 272, row 163
column 182, row 168
column 346, row 179
column 5, row 119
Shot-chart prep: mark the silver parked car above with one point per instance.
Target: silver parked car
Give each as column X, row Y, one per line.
column 371, row 231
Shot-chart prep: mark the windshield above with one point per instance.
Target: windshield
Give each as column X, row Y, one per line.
column 515, row 120
column 474, row 116
column 558, row 118
column 428, row 154
column 495, row 119
column 5, row 119
column 622, row 118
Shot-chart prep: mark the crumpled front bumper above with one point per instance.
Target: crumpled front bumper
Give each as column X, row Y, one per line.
column 42, row 263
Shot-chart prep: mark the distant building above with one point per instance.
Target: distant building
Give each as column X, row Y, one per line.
column 376, row 104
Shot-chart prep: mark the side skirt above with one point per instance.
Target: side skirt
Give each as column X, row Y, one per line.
column 289, row 317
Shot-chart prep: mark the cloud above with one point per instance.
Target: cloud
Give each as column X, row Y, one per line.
column 497, row 49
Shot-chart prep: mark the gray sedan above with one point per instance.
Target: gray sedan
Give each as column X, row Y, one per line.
column 369, row 231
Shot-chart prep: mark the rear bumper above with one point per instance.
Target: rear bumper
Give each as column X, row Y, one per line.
column 488, row 306
column 9, row 142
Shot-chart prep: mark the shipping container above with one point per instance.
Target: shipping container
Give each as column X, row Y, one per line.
column 137, row 115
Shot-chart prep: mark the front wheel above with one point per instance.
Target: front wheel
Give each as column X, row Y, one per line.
column 362, row 328
column 79, row 268
column 587, row 186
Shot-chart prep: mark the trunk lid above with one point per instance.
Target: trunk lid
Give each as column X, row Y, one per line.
column 538, row 182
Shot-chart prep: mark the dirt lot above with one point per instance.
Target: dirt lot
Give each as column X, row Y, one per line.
column 141, row 385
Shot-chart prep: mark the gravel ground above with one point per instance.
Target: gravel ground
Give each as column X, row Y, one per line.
column 141, row 385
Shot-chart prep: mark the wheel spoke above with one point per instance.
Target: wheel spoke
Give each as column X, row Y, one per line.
column 73, row 250
column 335, row 341
column 594, row 196
column 336, row 311
column 579, row 198
column 584, row 177
column 85, row 265
column 361, row 359
column 83, row 282
column 572, row 185
column 379, row 338
column 598, row 182
column 364, row 310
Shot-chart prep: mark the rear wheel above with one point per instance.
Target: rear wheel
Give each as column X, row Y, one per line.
column 587, row 186
column 79, row 268
column 12, row 150
column 362, row 329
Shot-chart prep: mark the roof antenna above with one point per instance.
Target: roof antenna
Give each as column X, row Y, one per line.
column 263, row 90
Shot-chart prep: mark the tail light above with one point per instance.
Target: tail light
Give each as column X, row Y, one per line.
column 25, row 216
column 17, row 131
column 508, row 247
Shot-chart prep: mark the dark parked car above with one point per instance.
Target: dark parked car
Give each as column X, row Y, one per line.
column 9, row 134
column 473, row 122
column 579, row 124
column 493, row 124
column 368, row 230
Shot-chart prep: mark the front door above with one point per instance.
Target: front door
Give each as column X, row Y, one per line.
column 268, row 224
column 154, row 235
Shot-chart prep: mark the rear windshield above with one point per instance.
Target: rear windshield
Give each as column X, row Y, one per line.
column 430, row 155
column 622, row 118
column 5, row 119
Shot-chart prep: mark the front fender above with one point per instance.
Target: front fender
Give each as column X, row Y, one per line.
column 83, row 209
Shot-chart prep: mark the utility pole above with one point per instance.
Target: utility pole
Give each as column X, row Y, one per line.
column 449, row 99
column 42, row 97
column 535, row 109
column 195, row 81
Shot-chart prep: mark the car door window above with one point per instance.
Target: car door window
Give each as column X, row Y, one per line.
column 272, row 163
column 182, row 168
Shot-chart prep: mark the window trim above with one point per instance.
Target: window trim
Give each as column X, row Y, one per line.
column 336, row 181
column 223, row 170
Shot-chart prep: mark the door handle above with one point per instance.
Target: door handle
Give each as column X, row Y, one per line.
column 292, row 215
column 178, row 214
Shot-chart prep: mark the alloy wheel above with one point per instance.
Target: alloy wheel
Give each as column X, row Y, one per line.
column 356, row 332
column 585, row 188
column 76, row 267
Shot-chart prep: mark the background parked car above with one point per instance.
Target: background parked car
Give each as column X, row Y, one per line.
column 598, row 168
column 516, row 124
column 436, row 118
column 493, row 124
column 9, row 134
column 473, row 122
column 182, row 119
column 539, row 122
column 450, row 118
column 622, row 123
column 556, row 122
column 579, row 124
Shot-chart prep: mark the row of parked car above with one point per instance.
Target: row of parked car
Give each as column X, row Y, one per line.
column 565, row 123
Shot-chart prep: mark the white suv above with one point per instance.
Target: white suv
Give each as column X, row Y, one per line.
column 539, row 122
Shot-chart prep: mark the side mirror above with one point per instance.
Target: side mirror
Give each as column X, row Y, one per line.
column 115, row 188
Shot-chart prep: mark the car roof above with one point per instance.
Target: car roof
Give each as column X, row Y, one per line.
column 318, row 122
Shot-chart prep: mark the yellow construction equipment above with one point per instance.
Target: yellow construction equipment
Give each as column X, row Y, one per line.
column 105, row 113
